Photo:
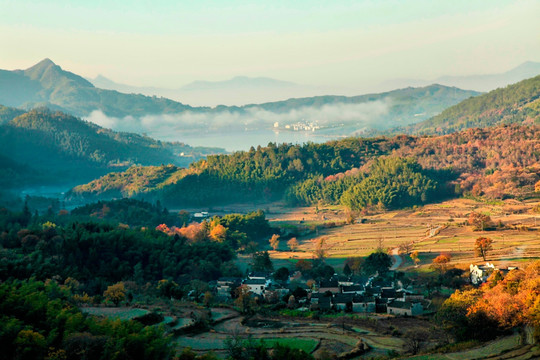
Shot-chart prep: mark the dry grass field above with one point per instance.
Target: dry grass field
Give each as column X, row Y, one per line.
column 433, row 229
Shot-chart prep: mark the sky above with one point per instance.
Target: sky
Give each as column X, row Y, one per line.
column 354, row 44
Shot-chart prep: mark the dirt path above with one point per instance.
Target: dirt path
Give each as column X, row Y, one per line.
column 397, row 259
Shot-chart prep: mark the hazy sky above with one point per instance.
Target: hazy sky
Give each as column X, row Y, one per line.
column 332, row 43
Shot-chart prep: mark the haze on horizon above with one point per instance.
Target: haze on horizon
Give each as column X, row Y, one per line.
column 350, row 46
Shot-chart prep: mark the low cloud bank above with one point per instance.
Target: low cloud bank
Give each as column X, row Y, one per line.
column 358, row 116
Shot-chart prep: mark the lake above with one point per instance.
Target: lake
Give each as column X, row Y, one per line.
column 243, row 140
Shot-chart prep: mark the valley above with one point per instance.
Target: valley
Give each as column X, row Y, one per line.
column 396, row 225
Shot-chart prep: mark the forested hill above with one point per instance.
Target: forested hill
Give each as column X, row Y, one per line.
column 429, row 99
column 64, row 148
column 517, row 103
column 496, row 161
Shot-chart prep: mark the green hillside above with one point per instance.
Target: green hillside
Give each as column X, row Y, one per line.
column 341, row 171
column 136, row 180
column 517, row 103
column 65, row 148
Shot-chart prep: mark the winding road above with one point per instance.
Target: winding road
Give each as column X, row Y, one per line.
column 397, row 259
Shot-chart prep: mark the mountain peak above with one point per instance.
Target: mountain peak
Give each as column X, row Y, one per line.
column 46, row 61
column 42, row 65
column 51, row 75
column 41, row 68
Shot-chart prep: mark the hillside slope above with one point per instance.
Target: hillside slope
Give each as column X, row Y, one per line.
column 517, row 103
column 67, row 148
column 497, row 162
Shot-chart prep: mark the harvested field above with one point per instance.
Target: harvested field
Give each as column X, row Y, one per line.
column 433, row 229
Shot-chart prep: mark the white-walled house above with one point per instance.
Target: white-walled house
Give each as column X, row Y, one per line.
column 256, row 286
column 404, row 308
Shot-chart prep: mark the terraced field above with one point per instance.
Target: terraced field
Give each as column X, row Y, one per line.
column 433, row 229
column 303, row 334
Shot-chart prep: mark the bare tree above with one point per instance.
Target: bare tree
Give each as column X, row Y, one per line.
column 292, row 244
column 415, row 340
column 406, row 247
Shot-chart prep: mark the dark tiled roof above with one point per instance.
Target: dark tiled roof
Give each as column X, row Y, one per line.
column 258, row 274
column 400, row 305
column 363, row 299
column 255, row 282
column 328, row 283
column 342, row 298
column 353, row 288
column 388, row 293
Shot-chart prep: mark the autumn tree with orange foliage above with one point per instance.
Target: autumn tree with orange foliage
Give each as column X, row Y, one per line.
column 415, row 258
column 292, row 244
column 482, row 246
column 274, row 241
column 441, row 262
column 509, row 302
column 218, row 233
column 480, row 222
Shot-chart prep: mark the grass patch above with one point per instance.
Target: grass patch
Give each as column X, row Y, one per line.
column 448, row 241
column 493, row 348
column 307, row 345
column 114, row 313
column 297, row 313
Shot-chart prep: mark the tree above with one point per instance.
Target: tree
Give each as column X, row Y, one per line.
column 347, row 270
column 291, row 302
column 351, row 216
column 281, row 274
column 261, row 261
column 208, row 299
column 414, row 340
column 414, row 257
column 406, row 247
column 292, row 244
column 320, row 249
column 377, row 262
column 274, row 241
column 169, row 289
column 304, row 266
column 480, row 222
column 442, row 261
column 355, row 264
column 244, row 299
column 482, row 246
column 115, row 293
column 218, row 233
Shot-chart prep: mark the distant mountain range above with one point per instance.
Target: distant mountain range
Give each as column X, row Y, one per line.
column 238, row 91
column 481, row 83
column 46, row 84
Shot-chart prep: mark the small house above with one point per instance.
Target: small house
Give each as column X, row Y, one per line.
column 331, row 285
column 343, row 302
column 405, row 308
column 363, row 304
column 388, row 293
column 225, row 286
column 353, row 289
column 256, row 286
